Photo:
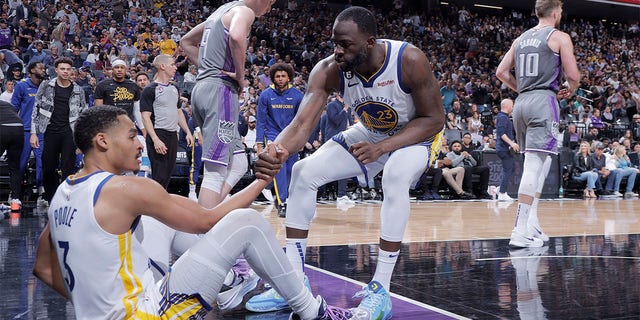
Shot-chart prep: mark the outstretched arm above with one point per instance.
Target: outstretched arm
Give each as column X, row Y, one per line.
column 323, row 79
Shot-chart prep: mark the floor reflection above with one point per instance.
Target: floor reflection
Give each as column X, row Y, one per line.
column 580, row 277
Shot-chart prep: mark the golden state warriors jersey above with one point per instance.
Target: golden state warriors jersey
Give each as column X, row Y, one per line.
column 104, row 273
column 382, row 103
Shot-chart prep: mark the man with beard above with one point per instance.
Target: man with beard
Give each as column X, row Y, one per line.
column 544, row 54
column 24, row 95
column 396, row 97
column 120, row 92
column 277, row 106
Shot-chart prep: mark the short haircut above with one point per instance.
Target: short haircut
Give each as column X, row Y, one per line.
column 544, row 7
column 141, row 73
column 280, row 66
column 93, row 121
column 362, row 17
column 32, row 66
column 162, row 58
column 63, row 60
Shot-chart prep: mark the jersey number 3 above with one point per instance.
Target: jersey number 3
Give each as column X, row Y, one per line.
column 528, row 64
column 64, row 245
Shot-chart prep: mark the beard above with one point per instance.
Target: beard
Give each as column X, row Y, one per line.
column 350, row 65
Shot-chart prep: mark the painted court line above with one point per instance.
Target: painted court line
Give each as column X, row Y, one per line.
column 338, row 290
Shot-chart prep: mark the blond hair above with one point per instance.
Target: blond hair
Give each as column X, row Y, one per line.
column 162, row 59
column 620, row 152
column 545, row 7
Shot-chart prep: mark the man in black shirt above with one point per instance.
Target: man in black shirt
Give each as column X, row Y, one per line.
column 58, row 104
column 11, row 131
column 120, row 92
column 469, row 170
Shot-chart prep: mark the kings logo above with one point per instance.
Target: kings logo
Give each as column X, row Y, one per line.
column 226, row 130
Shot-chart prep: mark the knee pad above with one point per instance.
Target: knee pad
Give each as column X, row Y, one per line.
column 237, row 169
column 533, row 165
column 213, row 176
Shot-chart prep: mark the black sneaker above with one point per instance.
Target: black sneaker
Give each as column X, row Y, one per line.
column 484, row 195
column 282, row 210
column 604, row 192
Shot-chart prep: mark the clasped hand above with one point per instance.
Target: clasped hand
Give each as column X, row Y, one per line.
column 270, row 161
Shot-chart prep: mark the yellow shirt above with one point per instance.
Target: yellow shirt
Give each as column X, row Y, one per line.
column 167, row 46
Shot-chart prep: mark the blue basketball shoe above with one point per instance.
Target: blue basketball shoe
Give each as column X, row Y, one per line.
column 270, row 300
column 375, row 304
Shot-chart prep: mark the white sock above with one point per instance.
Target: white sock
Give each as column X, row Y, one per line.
column 296, row 249
column 533, row 214
column 522, row 218
column 384, row 269
column 192, row 188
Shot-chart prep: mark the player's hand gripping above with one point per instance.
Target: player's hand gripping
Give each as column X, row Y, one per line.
column 270, row 161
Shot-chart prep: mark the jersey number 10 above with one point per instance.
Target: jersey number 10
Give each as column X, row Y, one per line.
column 528, row 64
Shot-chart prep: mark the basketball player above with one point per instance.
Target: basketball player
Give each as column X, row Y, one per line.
column 277, row 106
column 90, row 253
column 218, row 46
column 538, row 56
column 393, row 91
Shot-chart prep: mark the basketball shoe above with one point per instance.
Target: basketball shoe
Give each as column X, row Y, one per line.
column 327, row 312
column 270, row 300
column 537, row 232
column 524, row 241
column 231, row 296
column 375, row 304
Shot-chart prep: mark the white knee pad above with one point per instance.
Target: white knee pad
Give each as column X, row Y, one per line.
column 533, row 166
column 237, row 168
column 214, row 176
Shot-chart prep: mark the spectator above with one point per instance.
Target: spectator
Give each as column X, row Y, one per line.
column 452, row 122
column 620, row 167
column 443, row 168
column 634, row 126
column 57, row 106
column 36, row 52
column 119, row 91
column 8, row 90
column 599, row 161
column 583, row 170
column 6, row 35
column 465, row 160
column 94, row 54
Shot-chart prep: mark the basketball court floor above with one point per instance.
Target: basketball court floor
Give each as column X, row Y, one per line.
column 455, row 262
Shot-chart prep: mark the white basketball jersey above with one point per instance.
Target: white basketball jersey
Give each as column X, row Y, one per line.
column 382, row 103
column 104, row 273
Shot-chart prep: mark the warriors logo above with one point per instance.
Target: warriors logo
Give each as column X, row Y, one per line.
column 377, row 116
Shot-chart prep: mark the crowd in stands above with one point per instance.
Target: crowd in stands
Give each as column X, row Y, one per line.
column 464, row 47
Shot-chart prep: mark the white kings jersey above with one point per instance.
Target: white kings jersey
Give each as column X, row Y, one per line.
column 104, row 273
column 382, row 103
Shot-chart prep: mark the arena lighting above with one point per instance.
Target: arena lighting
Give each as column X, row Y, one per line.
column 444, row 3
column 486, row 6
column 629, row 3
